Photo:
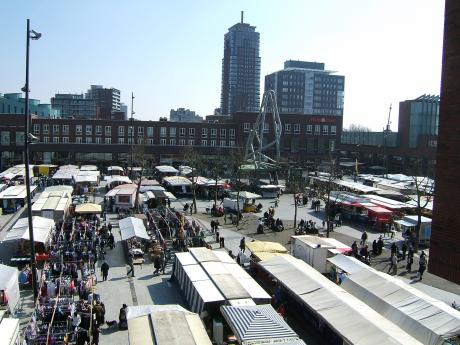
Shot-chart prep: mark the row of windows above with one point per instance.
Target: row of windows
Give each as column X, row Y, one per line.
column 191, row 132
column 296, row 128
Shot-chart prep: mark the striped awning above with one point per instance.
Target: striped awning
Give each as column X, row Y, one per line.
column 252, row 324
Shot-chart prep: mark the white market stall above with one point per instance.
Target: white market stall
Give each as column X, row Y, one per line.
column 42, row 229
column 259, row 324
column 408, row 225
column 9, row 286
column 158, row 325
column 325, row 303
column 427, row 319
column 53, row 204
column 122, row 197
column 132, row 227
column 115, row 170
column 179, row 185
column 14, row 197
column 9, row 331
column 116, row 180
column 88, row 208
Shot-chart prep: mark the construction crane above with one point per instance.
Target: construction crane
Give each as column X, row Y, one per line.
column 385, row 136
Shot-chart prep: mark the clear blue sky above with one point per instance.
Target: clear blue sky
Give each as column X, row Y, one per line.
column 169, row 52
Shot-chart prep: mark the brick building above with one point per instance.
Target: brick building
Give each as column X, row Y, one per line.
column 445, row 237
column 63, row 141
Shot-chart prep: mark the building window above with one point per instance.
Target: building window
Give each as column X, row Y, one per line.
column 65, row 129
column 333, row 130
column 181, row 142
column 78, row 140
column 121, row 130
column 140, row 141
column 98, row 140
column 89, row 130
column 247, row 126
column 332, row 145
column 287, row 128
column 172, row 132
column 232, row 143
column 266, row 127
column 223, row 132
column 204, row 133
column 121, row 140
column 297, row 128
column 213, row 143
column 88, row 140
column 55, row 129
column 213, row 132
column 108, row 130
column 163, row 131
column 140, row 130
column 191, row 132
column 172, row 142
column 325, row 130
column 150, row 131
column 317, row 129
column 130, row 141
column 46, row 139
column 36, row 129
column 55, row 139
column 163, row 142
column 204, row 143
column 182, row 132
column 130, row 131
column 108, row 140
column 150, row 141
column 191, row 142
column 46, row 128
column 223, row 143
column 231, row 133
column 78, row 130
column 309, row 129
column 65, row 139
column 98, row 130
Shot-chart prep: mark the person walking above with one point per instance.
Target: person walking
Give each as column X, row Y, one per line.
column 131, row 267
column 243, row 244
column 422, row 265
column 363, row 238
column 111, row 239
column 393, row 264
column 156, row 264
column 404, row 250
column 105, row 270
column 410, row 261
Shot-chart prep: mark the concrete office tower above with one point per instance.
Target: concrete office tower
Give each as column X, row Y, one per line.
column 444, row 258
column 304, row 87
column 184, row 115
column 74, row 106
column 107, row 100
column 240, row 69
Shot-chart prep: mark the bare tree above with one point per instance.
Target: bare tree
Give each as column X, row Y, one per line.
column 424, row 189
column 236, row 166
column 357, row 128
column 194, row 160
column 217, row 169
column 296, row 185
column 139, row 161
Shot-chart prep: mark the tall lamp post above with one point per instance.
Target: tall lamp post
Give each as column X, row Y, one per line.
column 28, row 138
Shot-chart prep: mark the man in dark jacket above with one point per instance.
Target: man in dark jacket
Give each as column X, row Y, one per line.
column 105, row 270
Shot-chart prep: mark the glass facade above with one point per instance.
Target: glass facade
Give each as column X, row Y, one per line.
column 424, row 118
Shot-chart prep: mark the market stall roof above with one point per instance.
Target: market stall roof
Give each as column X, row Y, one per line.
column 88, row 208
column 68, row 190
column 388, row 203
column 9, row 283
column 117, row 178
column 42, row 229
column 115, row 168
column 177, row 181
column 269, row 186
column 9, row 328
column 151, row 182
column 186, row 259
column 169, row 195
column 266, row 255
column 3, row 187
column 348, row 316
column 16, row 192
column 263, row 246
column 378, row 209
column 347, row 264
column 359, row 187
column 202, row 254
column 132, row 227
column 157, row 325
column 164, row 169
column 425, row 318
column 88, row 168
column 246, row 195
column 252, row 324
column 18, row 170
column 123, row 189
column 66, row 174
column 55, row 201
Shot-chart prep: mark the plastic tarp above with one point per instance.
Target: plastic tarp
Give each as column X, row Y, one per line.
column 425, row 318
column 349, row 317
column 132, row 227
column 348, row 264
column 42, row 229
column 269, row 247
column 88, row 208
column 253, row 324
column 9, row 283
column 157, row 325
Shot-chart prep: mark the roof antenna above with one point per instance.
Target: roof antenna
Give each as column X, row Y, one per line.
column 242, row 15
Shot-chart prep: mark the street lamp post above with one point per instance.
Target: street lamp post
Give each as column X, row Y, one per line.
column 31, row 34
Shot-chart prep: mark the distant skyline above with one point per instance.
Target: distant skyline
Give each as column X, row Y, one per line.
column 170, row 53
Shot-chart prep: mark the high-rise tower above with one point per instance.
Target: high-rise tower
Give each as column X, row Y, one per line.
column 240, row 69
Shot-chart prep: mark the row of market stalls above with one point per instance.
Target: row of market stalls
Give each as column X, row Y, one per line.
column 427, row 319
column 14, row 197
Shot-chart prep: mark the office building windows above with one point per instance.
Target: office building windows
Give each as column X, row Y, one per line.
column 65, row 129
column 172, row 142
column 163, row 131
column 297, row 128
column 191, row 132
column 204, row 143
column 121, row 130
column 204, row 133
column 36, row 128
column 78, row 140
column 150, row 132
column 108, row 130
column 231, row 133
column 162, row 142
column 89, row 130
column 108, row 140
column 213, row 132
column 223, row 132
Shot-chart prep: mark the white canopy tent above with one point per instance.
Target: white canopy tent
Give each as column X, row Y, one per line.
column 9, row 283
column 16, row 192
column 132, row 227
column 166, row 169
column 425, row 318
column 42, row 229
column 347, row 316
